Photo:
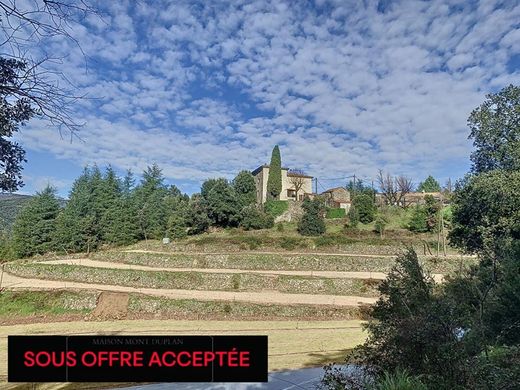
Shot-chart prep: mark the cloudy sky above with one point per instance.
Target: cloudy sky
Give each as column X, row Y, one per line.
column 206, row 89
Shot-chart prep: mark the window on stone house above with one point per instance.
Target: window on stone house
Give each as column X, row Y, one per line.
column 291, row 193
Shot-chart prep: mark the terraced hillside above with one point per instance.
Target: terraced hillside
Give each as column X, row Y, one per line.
column 212, row 281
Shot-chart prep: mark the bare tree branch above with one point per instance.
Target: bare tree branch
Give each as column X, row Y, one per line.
column 394, row 190
column 297, row 179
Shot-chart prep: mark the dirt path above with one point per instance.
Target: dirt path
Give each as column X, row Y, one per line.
column 15, row 282
column 322, row 274
column 289, row 253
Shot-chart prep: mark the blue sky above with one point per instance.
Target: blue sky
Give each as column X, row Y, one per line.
column 206, row 89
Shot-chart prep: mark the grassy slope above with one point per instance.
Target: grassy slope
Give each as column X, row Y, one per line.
column 26, row 303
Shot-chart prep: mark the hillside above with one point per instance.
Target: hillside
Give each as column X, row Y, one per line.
column 10, row 206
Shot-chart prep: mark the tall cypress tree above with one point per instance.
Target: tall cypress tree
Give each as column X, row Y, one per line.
column 34, row 228
column 274, row 181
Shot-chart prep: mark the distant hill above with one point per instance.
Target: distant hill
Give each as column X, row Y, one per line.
column 10, row 206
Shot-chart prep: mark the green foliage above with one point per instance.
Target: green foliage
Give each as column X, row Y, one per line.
column 149, row 197
column 425, row 218
column 429, row 185
column 418, row 223
column 177, row 226
column 410, row 329
column 353, row 217
column 495, row 132
column 276, row 207
column 209, row 184
column 16, row 100
column 34, row 228
column 274, row 180
column 312, row 222
column 279, row 227
column 359, row 188
column 380, row 225
column 222, row 204
column 10, row 206
column 6, row 248
column 197, row 217
column 365, row 206
column 397, row 380
column 252, row 218
column 499, row 370
column 291, row 243
column 335, row 213
column 245, row 188
column 486, row 210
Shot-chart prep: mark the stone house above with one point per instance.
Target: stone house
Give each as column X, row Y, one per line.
column 290, row 181
column 338, row 197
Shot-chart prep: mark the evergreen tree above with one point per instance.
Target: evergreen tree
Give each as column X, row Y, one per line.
column 245, row 188
column 149, row 198
column 366, row 209
column 222, row 204
column 176, row 205
column 79, row 225
column 418, row 221
column 429, row 185
column 35, row 225
column 353, row 217
column 209, row 184
column 118, row 219
column 197, row 215
column 312, row 222
column 274, row 180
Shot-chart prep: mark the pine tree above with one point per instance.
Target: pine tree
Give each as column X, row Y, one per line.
column 79, row 225
column 429, row 185
column 35, row 226
column 274, row 180
column 115, row 215
column 149, row 201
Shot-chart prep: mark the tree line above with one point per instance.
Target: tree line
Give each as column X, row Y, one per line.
column 104, row 209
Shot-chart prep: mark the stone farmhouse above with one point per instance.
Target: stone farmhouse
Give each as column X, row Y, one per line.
column 338, row 197
column 290, row 182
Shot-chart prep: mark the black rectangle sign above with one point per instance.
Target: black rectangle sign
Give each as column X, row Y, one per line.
column 137, row 358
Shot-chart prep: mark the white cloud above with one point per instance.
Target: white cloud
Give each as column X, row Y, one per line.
column 207, row 89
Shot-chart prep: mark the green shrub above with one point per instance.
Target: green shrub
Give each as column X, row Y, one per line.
column 251, row 218
column 276, row 207
column 365, row 207
column 235, row 281
column 324, row 241
column 251, row 241
column 291, row 243
column 398, row 380
column 418, row 222
column 279, row 227
column 380, row 225
column 499, row 370
column 353, row 217
column 335, row 213
column 312, row 222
